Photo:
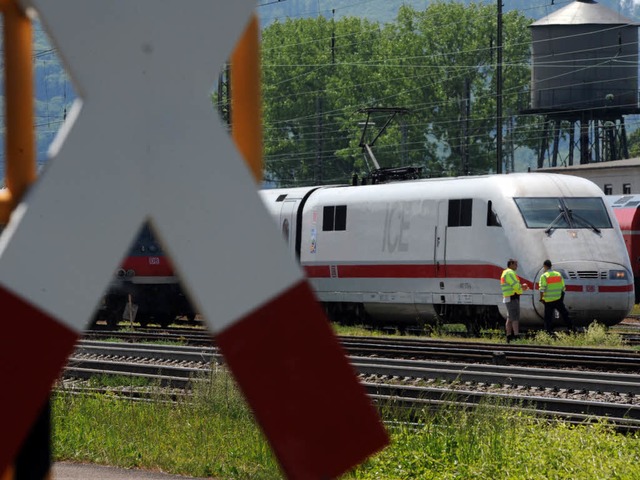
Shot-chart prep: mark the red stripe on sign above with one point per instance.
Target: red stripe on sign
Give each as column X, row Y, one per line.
column 615, row 288
column 33, row 349
column 303, row 391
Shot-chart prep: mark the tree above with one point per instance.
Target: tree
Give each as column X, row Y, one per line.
column 437, row 63
column 313, row 83
column 633, row 143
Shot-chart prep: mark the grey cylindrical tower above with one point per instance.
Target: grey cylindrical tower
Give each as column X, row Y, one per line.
column 585, row 72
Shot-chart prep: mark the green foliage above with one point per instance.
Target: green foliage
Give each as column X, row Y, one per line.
column 213, row 434
column 633, row 143
column 596, row 335
column 495, row 441
column 318, row 73
column 119, row 381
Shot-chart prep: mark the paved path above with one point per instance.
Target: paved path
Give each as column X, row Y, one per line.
column 85, row 471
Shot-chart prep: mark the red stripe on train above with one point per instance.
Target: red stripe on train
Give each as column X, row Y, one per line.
column 157, row 266
column 615, row 288
column 404, row 271
column 429, row 271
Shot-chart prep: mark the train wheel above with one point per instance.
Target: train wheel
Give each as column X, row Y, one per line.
column 113, row 319
column 94, row 322
column 165, row 320
column 142, row 319
column 473, row 328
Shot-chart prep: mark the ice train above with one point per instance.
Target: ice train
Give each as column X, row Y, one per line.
column 433, row 250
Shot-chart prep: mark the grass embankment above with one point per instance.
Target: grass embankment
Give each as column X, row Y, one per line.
column 215, row 435
column 596, row 335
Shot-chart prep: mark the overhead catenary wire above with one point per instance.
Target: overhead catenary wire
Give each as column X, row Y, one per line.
column 401, row 63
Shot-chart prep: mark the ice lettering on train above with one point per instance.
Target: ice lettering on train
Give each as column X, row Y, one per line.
column 396, row 224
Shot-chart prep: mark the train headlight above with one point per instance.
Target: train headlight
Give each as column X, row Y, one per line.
column 618, row 275
column 131, row 273
column 120, row 273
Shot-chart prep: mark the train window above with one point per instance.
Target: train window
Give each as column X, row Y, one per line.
column 334, row 218
column 587, row 212
column 626, row 188
column 623, row 200
column 341, row 217
column 608, row 189
column 328, row 216
column 281, row 198
column 567, row 212
column 145, row 242
column 542, row 212
column 460, row 212
column 492, row 216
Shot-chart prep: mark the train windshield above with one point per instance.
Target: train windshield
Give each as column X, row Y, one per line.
column 146, row 243
column 564, row 212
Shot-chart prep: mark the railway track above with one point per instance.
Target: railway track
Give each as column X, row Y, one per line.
column 629, row 331
column 606, row 359
column 407, row 383
column 506, row 354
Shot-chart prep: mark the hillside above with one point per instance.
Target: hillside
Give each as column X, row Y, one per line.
column 385, row 10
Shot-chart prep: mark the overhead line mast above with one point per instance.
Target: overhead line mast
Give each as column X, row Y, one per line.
column 499, row 92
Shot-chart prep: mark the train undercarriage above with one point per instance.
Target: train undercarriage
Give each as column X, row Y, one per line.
column 474, row 317
column 146, row 304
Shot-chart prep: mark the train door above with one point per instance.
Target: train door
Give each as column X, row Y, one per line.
column 288, row 223
column 440, row 240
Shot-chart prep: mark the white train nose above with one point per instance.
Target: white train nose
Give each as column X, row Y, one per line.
column 596, row 290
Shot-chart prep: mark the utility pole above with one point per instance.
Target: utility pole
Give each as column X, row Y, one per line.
column 466, row 114
column 317, row 174
column 224, row 94
column 499, row 93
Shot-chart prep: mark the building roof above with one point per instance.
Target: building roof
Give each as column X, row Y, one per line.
column 584, row 12
column 625, row 163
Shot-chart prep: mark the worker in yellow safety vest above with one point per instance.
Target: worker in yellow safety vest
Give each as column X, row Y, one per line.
column 551, row 286
column 511, row 291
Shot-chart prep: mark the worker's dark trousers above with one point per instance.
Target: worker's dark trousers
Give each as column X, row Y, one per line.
column 549, row 308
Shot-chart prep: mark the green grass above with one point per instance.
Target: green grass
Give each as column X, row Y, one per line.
column 596, row 335
column 112, row 381
column 215, row 435
column 503, row 444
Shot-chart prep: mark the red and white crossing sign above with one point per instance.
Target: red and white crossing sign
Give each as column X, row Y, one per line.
column 144, row 143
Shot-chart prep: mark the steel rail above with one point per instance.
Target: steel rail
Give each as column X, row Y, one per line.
column 568, row 380
column 500, row 375
column 522, row 355
column 407, row 396
column 619, row 360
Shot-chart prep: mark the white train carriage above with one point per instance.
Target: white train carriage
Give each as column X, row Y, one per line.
column 429, row 250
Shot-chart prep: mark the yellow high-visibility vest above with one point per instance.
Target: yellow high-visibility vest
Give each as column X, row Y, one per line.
column 510, row 283
column 551, row 285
